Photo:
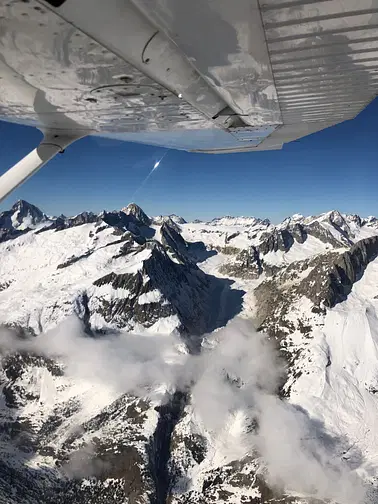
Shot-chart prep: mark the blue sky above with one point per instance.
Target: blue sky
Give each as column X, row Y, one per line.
column 334, row 169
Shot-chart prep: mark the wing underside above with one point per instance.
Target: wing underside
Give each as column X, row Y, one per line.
column 201, row 76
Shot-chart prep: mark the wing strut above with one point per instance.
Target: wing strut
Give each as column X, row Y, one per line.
column 53, row 142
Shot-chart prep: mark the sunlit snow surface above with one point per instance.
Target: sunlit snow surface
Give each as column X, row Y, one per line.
column 339, row 363
column 343, row 394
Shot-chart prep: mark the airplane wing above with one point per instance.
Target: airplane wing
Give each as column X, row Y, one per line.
column 214, row 76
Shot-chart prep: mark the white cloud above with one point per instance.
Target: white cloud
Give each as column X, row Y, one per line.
column 233, row 381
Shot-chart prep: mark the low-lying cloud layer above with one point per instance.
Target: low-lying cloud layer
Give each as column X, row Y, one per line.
column 235, row 376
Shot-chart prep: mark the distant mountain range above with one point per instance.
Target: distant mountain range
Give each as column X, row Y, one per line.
column 75, row 290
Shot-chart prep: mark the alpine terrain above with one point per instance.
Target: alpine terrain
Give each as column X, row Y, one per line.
column 154, row 360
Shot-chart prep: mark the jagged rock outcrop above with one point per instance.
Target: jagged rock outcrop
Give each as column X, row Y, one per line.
column 22, row 217
column 291, row 230
column 340, row 224
column 283, row 239
column 177, row 219
column 160, row 220
column 174, row 221
column 325, row 280
column 324, row 235
column 333, row 276
column 277, row 240
column 120, row 221
column 231, row 236
column 126, row 312
column 22, row 214
column 247, row 264
column 9, row 234
column 135, row 210
column 172, row 239
column 162, row 288
column 63, row 222
column 299, row 232
column 82, row 218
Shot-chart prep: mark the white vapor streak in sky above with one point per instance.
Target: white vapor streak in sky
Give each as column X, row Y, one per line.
column 154, row 168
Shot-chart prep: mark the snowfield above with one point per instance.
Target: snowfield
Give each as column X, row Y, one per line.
column 144, row 382
column 30, row 265
column 339, row 386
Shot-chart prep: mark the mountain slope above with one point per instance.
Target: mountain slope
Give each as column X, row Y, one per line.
column 108, row 269
column 118, row 384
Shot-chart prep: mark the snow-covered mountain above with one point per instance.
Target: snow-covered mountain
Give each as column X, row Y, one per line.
column 177, row 219
column 21, row 216
column 19, row 219
column 120, row 385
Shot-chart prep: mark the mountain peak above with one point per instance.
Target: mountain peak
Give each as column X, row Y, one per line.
column 23, row 204
column 177, row 219
column 172, row 220
column 22, row 215
column 136, row 211
column 335, row 215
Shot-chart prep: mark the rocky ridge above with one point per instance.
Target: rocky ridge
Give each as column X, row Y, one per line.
column 127, row 271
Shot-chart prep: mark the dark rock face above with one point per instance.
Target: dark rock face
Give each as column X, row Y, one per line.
column 5, row 285
column 277, row 240
column 322, row 234
column 284, row 239
column 160, row 444
column 247, row 264
column 130, row 244
column 173, row 224
column 340, row 224
column 337, row 219
column 173, row 240
column 9, row 234
column 185, row 286
column 21, row 213
column 18, row 213
column 74, row 259
column 332, row 279
column 82, row 218
column 62, row 222
column 116, row 219
column 227, row 250
column 231, row 236
column 329, row 280
column 127, row 222
column 135, row 210
column 122, row 312
column 120, row 221
column 299, row 233
column 183, row 290
column 58, row 223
